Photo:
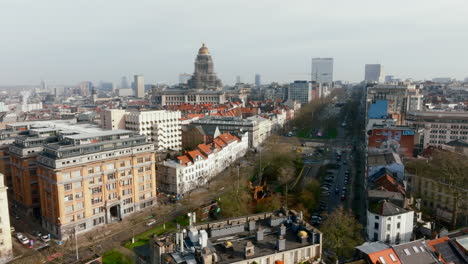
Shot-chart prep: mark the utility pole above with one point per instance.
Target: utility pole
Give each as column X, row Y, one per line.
column 238, row 179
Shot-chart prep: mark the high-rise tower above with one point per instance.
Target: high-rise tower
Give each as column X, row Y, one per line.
column 204, row 77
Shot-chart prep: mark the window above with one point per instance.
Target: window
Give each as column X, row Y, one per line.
column 111, row 176
column 82, row 226
column 382, row 260
column 376, row 225
column 77, row 185
column 98, row 210
column 377, row 217
column 90, row 170
column 79, row 206
column 97, row 169
column 147, row 159
column 148, row 177
column 96, row 200
column 68, row 197
column 76, row 174
column 416, row 249
column 140, row 160
column 128, row 201
column 393, row 257
column 398, row 225
column 79, row 195
column 96, row 190
column 140, row 169
column 66, row 176
column 141, row 179
column 67, row 186
column 376, row 236
column 69, row 209
column 388, row 227
column 98, row 220
column 112, row 196
column 141, row 188
column 122, row 164
column 110, row 166
column 91, row 181
column 148, row 186
column 407, row 252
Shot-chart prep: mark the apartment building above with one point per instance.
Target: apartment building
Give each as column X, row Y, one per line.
column 437, row 128
column 162, row 127
column 389, row 223
column 272, row 237
column 401, row 98
column 300, row 91
column 197, row 167
column 6, row 249
column 440, row 198
column 91, row 177
column 258, row 128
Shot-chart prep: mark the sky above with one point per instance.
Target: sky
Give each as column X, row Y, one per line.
column 68, row 41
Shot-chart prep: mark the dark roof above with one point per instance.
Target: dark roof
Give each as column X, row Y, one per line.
column 451, row 253
column 386, row 208
column 457, row 143
column 414, row 252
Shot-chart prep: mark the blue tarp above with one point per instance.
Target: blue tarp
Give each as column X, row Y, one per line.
column 378, row 110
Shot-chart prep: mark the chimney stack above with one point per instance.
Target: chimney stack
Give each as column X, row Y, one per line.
column 260, row 234
column 282, row 230
column 281, row 243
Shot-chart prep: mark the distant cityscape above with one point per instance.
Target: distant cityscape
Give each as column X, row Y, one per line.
column 202, row 172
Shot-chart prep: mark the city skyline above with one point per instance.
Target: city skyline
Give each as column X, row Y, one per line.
column 97, row 42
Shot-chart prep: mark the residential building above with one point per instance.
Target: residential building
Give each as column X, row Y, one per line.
column 162, row 127
column 273, row 237
column 386, row 256
column 373, row 73
column 300, row 91
column 257, row 127
column 401, row 98
column 399, row 139
column 388, row 160
column 451, row 248
column 440, row 197
column 415, row 252
column 91, row 177
column 322, row 70
column 198, row 166
column 139, row 86
column 6, row 248
column 438, row 127
column 389, row 223
column 113, row 119
column 442, row 80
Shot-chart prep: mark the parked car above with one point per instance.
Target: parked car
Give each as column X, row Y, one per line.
column 37, row 233
column 337, row 190
column 343, row 197
column 151, row 222
column 19, row 235
column 45, row 238
column 24, row 240
column 12, row 229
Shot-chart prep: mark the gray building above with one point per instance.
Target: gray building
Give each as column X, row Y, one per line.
column 373, row 73
column 139, row 86
column 300, row 91
column 258, row 80
column 322, row 70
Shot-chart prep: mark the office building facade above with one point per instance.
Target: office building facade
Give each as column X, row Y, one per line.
column 300, row 91
column 322, row 70
column 139, row 82
column 373, row 73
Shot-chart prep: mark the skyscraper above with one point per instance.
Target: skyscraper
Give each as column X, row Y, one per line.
column 139, row 86
column 124, row 82
column 373, row 73
column 322, row 70
column 258, row 80
column 238, row 79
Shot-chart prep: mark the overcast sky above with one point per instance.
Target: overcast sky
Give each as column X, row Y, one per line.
column 67, row 41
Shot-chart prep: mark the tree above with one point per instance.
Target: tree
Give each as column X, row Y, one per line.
column 341, row 233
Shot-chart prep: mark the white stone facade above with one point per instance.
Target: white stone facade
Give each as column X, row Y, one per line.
column 197, row 167
column 6, row 250
column 392, row 229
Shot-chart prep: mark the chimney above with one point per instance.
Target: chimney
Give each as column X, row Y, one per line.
column 281, row 243
column 282, row 230
column 260, row 234
column 249, row 250
column 251, row 225
column 181, row 242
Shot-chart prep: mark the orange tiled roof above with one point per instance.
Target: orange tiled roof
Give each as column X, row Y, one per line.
column 385, row 254
column 205, row 149
column 183, row 160
column 195, row 153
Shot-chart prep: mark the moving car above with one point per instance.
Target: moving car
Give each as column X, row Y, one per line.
column 151, row 222
column 45, row 238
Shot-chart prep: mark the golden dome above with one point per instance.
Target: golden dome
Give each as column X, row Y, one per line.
column 203, row 50
column 302, row 233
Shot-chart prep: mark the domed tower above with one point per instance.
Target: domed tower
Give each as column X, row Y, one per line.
column 204, row 77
